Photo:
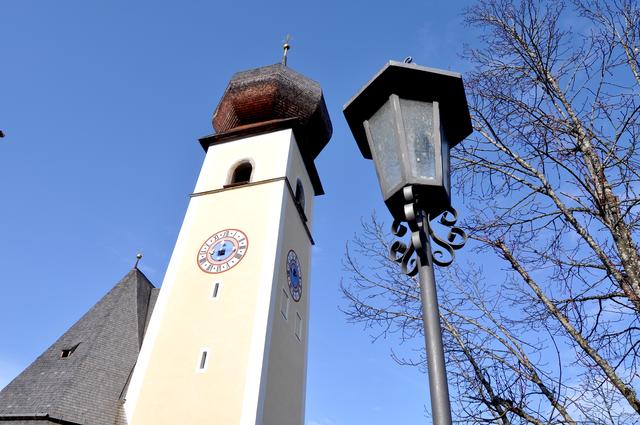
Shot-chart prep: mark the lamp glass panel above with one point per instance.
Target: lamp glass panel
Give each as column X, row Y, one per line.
column 385, row 147
column 446, row 175
column 418, row 126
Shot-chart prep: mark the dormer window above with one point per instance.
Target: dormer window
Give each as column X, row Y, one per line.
column 241, row 174
column 67, row 352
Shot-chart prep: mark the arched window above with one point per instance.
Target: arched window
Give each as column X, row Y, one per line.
column 242, row 174
column 300, row 195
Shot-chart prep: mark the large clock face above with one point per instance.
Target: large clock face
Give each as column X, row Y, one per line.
column 294, row 276
column 222, row 251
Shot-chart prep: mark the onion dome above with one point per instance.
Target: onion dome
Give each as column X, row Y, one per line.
column 270, row 98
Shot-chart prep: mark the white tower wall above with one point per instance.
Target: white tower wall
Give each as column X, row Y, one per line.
column 256, row 359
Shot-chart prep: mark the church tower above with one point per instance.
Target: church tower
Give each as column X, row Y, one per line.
column 227, row 340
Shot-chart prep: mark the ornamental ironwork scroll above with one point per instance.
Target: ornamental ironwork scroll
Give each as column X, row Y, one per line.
column 410, row 255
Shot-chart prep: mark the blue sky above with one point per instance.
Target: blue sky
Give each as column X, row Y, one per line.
column 102, row 104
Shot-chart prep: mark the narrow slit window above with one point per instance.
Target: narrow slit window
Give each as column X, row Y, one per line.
column 203, row 361
column 298, row 327
column 215, row 291
column 67, row 352
column 242, row 174
column 284, row 304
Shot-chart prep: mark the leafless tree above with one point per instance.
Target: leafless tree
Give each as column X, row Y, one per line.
column 550, row 185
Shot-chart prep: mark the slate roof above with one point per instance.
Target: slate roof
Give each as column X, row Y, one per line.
column 86, row 387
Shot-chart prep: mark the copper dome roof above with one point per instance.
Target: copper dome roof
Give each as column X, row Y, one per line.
column 272, row 94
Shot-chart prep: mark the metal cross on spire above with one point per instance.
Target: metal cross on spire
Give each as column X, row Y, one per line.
column 286, row 46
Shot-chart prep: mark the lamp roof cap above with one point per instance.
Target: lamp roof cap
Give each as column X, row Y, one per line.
column 415, row 82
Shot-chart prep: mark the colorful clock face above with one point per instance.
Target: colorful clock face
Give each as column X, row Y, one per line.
column 294, row 276
column 222, row 251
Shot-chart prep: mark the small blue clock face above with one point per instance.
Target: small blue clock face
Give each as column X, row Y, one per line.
column 222, row 251
column 294, row 276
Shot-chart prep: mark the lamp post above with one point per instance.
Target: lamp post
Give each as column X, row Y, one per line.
column 407, row 118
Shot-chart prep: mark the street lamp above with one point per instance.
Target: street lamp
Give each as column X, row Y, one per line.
column 407, row 118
